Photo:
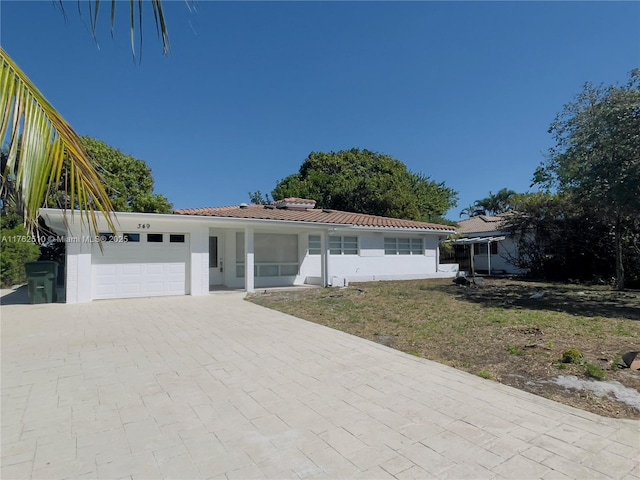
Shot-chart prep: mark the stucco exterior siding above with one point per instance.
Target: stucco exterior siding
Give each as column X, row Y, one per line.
column 170, row 254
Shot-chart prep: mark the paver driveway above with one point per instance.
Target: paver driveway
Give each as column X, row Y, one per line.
column 215, row 387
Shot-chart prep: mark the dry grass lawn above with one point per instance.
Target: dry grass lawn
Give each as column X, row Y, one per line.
column 494, row 330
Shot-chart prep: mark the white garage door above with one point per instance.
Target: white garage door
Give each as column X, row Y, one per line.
column 145, row 265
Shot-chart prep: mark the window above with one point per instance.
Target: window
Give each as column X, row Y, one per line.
column 275, row 248
column 403, row 246
column 417, row 246
column 275, row 255
column 314, row 245
column 269, row 270
column 481, row 248
column 120, row 238
column 239, row 247
column 343, row 245
column 288, row 270
column 213, row 252
column 155, row 238
column 176, row 238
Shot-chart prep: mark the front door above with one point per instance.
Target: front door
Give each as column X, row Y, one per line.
column 216, row 267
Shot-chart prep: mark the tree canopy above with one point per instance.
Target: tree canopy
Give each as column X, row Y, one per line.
column 597, row 152
column 560, row 238
column 366, row 182
column 494, row 204
column 127, row 180
column 596, row 159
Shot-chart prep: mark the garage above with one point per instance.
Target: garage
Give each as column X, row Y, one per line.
column 140, row 265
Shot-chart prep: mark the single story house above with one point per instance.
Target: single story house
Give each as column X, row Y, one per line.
column 485, row 246
column 192, row 252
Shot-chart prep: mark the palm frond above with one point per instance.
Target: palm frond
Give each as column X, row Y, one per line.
column 158, row 13
column 45, row 141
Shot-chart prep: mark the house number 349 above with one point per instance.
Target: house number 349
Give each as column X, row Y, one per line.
column 143, row 226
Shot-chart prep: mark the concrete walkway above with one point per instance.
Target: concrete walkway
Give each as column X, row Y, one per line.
column 216, row 387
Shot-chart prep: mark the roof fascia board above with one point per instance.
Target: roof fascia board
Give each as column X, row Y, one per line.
column 58, row 217
column 399, row 229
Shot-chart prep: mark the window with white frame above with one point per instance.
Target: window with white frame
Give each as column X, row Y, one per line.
column 315, row 245
column 343, row 245
column 403, row 246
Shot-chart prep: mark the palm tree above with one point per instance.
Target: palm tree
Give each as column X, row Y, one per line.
column 472, row 210
column 47, row 143
column 494, row 204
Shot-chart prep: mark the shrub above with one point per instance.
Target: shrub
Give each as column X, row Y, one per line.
column 572, row 356
column 595, row 371
column 14, row 253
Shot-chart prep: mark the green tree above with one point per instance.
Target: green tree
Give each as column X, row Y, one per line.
column 128, row 180
column 258, row 198
column 367, row 182
column 597, row 158
column 562, row 238
column 16, row 248
column 494, row 204
column 49, row 141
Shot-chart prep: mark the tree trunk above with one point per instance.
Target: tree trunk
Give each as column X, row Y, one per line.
column 619, row 265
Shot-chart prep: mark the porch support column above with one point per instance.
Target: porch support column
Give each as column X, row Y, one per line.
column 472, row 255
column 489, row 257
column 248, row 260
column 324, row 258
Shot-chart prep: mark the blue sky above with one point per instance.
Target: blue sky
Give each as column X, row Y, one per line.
column 463, row 92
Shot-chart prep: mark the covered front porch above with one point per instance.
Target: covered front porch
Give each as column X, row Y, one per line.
column 249, row 258
column 475, row 254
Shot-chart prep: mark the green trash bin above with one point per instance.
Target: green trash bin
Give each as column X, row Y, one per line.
column 42, row 280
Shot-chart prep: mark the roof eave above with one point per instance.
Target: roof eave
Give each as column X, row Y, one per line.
column 59, row 218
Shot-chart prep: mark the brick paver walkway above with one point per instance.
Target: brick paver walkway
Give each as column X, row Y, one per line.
column 216, row 387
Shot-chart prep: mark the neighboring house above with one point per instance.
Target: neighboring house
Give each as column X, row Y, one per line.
column 249, row 246
column 486, row 246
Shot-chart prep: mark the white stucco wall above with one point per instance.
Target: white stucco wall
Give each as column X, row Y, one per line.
column 369, row 264
column 373, row 264
column 310, row 265
column 78, row 273
column 499, row 261
column 199, row 257
column 310, row 270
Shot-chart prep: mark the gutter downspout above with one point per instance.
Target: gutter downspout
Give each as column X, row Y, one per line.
column 471, row 255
